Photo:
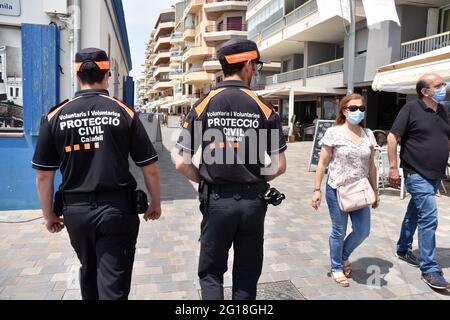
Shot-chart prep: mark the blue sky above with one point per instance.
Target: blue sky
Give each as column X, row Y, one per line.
column 141, row 16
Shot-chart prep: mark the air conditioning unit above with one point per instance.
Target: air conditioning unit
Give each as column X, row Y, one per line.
column 55, row 7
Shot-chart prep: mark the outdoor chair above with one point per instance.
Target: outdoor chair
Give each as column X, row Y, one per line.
column 382, row 163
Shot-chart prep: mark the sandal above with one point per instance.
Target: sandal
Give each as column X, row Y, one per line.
column 340, row 278
column 347, row 269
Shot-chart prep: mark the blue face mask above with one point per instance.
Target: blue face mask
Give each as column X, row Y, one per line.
column 356, row 117
column 439, row 95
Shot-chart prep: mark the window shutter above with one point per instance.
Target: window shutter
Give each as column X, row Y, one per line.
column 40, row 64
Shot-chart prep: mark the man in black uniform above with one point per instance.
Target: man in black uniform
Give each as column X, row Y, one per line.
column 89, row 138
column 235, row 129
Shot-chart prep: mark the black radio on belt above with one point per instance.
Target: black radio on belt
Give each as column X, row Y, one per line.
column 141, row 201
column 58, row 204
column 274, row 197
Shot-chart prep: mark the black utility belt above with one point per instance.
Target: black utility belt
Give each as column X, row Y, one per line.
column 136, row 198
column 238, row 188
column 97, row 197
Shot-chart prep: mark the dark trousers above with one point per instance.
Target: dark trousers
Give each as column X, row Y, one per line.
column 104, row 239
column 237, row 221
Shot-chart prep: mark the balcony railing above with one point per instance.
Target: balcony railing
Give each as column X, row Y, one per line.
column 424, row 45
column 328, row 67
column 176, row 53
column 213, row 1
column 195, row 69
column 286, row 76
column 226, row 27
column 298, row 14
column 252, row 3
column 176, row 72
column 176, row 35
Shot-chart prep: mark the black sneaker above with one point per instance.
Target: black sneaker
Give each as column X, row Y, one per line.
column 435, row 280
column 409, row 258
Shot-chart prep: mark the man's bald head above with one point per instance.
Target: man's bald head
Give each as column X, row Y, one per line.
column 427, row 81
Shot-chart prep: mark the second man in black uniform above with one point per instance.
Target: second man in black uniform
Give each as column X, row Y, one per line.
column 235, row 129
column 89, row 139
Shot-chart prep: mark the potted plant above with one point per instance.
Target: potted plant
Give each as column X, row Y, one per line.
column 291, row 130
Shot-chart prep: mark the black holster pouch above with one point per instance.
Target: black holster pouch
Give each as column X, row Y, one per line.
column 58, row 204
column 203, row 191
column 141, row 201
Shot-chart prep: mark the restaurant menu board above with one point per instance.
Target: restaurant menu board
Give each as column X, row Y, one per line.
column 321, row 128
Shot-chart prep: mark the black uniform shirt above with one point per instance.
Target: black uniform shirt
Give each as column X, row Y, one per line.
column 238, row 129
column 424, row 139
column 89, row 138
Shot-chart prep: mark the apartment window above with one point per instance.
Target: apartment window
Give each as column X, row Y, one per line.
column 445, row 19
column 265, row 17
column 17, row 92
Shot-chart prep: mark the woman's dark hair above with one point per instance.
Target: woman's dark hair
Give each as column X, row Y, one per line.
column 232, row 69
column 90, row 73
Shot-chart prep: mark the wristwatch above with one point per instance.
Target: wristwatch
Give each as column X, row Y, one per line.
column 317, row 190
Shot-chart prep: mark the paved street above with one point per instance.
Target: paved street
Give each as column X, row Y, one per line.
column 37, row 265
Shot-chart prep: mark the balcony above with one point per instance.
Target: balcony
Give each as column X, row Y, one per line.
column 212, row 64
column 327, row 68
column 176, row 56
column 164, row 27
column 224, row 32
column 162, row 68
column 198, row 76
column 197, row 54
column 303, row 24
column 420, row 46
column 176, row 38
column 163, row 84
column 162, row 43
column 194, row 6
column 215, row 8
column 189, row 34
column 163, row 56
column 176, row 74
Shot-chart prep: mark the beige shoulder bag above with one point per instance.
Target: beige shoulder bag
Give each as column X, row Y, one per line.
column 356, row 195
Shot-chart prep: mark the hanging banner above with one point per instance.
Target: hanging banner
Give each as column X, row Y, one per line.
column 10, row 8
column 331, row 8
column 380, row 10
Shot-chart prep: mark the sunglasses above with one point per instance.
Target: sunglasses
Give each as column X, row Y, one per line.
column 258, row 66
column 354, row 108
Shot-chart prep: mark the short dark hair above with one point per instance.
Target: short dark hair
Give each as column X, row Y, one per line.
column 419, row 86
column 232, row 69
column 90, row 73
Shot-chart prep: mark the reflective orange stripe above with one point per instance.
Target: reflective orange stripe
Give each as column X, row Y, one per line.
column 236, row 145
column 241, row 57
column 97, row 145
column 123, row 105
column 68, row 149
column 222, row 145
column 52, row 114
column 87, row 146
column 202, row 105
column 103, row 65
column 267, row 111
column 76, row 147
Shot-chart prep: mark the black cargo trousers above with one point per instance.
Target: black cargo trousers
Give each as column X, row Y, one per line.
column 232, row 215
column 103, row 230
